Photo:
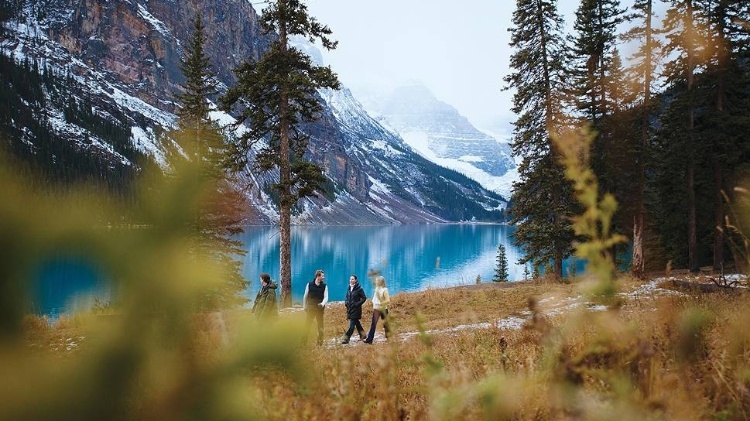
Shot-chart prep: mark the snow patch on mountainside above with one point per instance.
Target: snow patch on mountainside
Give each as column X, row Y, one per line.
column 156, row 23
column 144, row 141
column 419, row 141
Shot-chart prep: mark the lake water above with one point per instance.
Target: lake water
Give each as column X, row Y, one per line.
column 410, row 257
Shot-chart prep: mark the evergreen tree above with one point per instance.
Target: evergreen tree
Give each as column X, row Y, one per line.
column 685, row 42
column 275, row 96
column 218, row 216
column 592, row 67
column 723, row 123
column 683, row 37
column 501, row 270
column 703, row 130
column 618, row 146
column 200, row 85
column 542, row 199
column 641, row 73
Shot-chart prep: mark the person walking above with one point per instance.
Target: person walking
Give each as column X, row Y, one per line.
column 314, row 303
column 265, row 307
column 355, row 297
column 380, row 301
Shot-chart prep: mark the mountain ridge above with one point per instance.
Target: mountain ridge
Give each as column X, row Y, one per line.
column 126, row 54
column 441, row 134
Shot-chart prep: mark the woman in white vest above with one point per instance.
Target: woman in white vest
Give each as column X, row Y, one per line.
column 380, row 300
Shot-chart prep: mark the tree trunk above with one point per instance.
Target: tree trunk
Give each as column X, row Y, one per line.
column 285, row 200
column 690, row 174
column 285, row 256
column 638, row 260
column 718, row 217
column 558, row 264
column 692, row 220
column 722, row 60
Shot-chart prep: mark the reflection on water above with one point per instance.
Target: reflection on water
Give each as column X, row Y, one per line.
column 410, row 257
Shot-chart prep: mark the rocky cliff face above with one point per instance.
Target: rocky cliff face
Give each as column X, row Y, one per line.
column 139, row 44
column 126, row 53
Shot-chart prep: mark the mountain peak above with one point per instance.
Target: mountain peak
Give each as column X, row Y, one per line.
column 441, row 134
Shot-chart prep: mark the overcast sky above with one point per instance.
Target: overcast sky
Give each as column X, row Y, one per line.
column 458, row 49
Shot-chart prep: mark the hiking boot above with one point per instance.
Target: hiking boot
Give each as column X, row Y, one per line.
column 344, row 340
column 362, row 336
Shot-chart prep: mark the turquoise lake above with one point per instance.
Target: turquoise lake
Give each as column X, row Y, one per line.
column 410, row 257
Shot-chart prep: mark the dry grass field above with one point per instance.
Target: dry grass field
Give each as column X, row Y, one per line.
column 662, row 354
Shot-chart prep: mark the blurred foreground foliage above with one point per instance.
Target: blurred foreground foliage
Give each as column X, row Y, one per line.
column 159, row 354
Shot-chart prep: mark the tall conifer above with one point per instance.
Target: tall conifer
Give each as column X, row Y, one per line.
column 683, row 37
column 592, row 54
column 724, row 101
column 642, row 71
column 275, row 96
column 542, row 199
column 218, row 216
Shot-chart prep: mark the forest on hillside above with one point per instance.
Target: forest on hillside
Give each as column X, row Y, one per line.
column 669, row 122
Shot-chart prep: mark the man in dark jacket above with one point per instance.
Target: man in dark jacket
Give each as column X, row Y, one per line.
column 355, row 297
column 314, row 303
column 265, row 302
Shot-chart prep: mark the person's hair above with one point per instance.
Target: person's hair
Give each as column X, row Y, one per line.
column 379, row 281
column 265, row 277
column 318, row 273
column 354, row 276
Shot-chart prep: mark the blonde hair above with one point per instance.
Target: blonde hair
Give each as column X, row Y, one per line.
column 379, row 281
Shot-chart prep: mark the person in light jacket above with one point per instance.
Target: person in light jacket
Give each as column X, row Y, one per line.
column 265, row 306
column 380, row 301
column 314, row 303
column 355, row 297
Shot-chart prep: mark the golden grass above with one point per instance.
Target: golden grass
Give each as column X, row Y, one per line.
column 656, row 357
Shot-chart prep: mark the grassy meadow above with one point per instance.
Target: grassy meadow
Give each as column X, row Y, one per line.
column 681, row 356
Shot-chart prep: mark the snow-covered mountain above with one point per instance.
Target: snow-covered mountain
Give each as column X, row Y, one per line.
column 119, row 60
column 441, row 134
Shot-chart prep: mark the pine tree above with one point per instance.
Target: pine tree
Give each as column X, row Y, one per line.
column 702, row 135
column 275, row 96
column 218, row 216
column 501, row 270
column 542, row 199
column 723, row 118
column 642, row 73
column 591, row 65
column 683, row 42
column 200, row 86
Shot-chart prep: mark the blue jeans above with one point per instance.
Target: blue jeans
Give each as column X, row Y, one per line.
column 377, row 315
column 355, row 324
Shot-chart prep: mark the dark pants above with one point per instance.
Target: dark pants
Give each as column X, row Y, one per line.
column 317, row 314
column 377, row 315
column 354, row 323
